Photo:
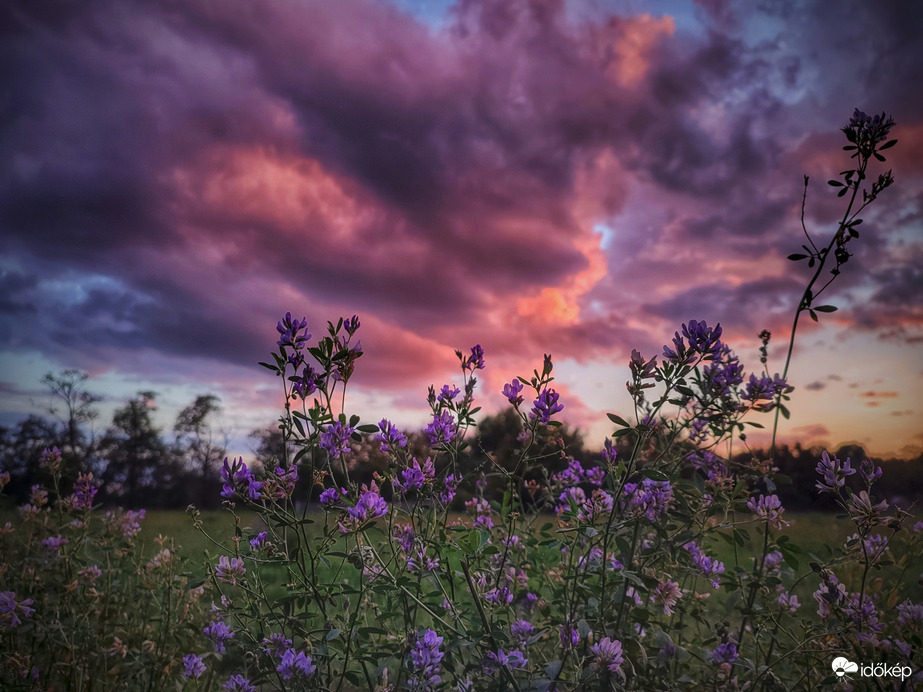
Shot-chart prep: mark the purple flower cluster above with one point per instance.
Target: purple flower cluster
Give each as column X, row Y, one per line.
column 514, row 660
column 704, row 342
column 229, row 570
column 482, row 512
column 390, row 437
column 708, row 566
column 370, row 505
column 725, row 653
column 608, row 654
column 276, row 644
column 280, row 484
column 866, row 131
column 476, row 360
column 193, row 666
column 597, row 507
column 219, row 633
column 426, row 658
column 238, row 479
column 442, row 429
column 84, row 492
column 415, row 476
column 12, row 611
column 238, row 683
column 450, row 487
column 649, row 498
column 768, row 508
column 546, row 405
column 295, row 664
column 666, row 594
column 335, row 438
column 764, row 388
column 512, row 391
column 331, row 496
column 291, row 334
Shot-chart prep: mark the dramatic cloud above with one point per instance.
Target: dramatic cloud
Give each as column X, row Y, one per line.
column 533, row 176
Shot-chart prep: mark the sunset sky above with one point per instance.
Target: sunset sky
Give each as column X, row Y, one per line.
column 575, row 178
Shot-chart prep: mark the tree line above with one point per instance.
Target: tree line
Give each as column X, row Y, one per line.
column 138, row 467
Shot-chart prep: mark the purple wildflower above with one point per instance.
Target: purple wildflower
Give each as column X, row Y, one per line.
column 260, row 542
column 514, row 660
column 219, row 633
column 84, row 492
column 772, row 560
column 521, row 630
column 425, row 657
column 708, row 566
column 501, row 596
column 276, row 644
column 476, row 360
column 293, row 664
column 666, row 594
column 390, row 437
column 414, row 477
column 331, row 496
column 450, row 487
column 546, row 405
column 869, row 471
column 442, row 429
column 448, row 393
column 369, row 506
column 597, row 507
column 768, row 508
column 290, row 332
column 788, row 601
column 335, row 439
column 229, row 570
column 193, row 666
column 608, row 654
column 834, row 472
column 304, row 385
column 609, row 451
column 351, row 324
column 12, row 611
column 649, row 497
column 724, row 653
column 238, row 683
column 512, row 391
column 55, row 542
column 570, row 636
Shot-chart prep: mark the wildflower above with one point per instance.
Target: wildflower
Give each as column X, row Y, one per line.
column 238, row 683
column 572, row 475
column 514, row 660
column 442, row 429
column 304, row 385
column 55, row 542
column 476, row 360
column 521, row 630
column 260, row 542
column 768, row 508
column 416, row 476
column 570, row 636
column 276, row 645
column 38, row 496
column 280, row 484
column 834, row 472
column 649, row 497
column 608, row 653
column 351, row 325
column 772, row 560
column 12, row 611
column 390, row 437
column 118, row 648
column 667, row 593
column 450, row 487
column 546, row 405
column 481, row 509
column 512, row 390
column 866, row 132
column 788, row 601
column 570, row 498
column 598, row 506
column 725, row 653
column 84, row 492
column 229, row 570
column 293, row 664
column 909, row 613
column 869, row 472
column 609, row 451
column 830, row 591
column 369, row 506
column 162, row 558
column 425, row 657
column 219, row 633
column 331, row 496
column 708, row 566
column 863, row 511
column 335, row 439
column 90, row 574
column 193, row 666
column 501, row 596
column 50, row 459
column 290, row 331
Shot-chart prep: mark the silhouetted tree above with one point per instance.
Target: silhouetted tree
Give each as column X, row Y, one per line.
column 21, row 447
column 134, row 453
column 73, row 405
column 199, row 446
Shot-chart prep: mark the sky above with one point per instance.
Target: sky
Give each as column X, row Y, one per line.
column 536, row 176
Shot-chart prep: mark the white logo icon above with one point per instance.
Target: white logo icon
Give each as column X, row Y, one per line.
column 841, row 666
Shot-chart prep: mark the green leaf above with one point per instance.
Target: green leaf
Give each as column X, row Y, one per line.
column 269, row 367
column 618, row 420
column 368, row 428
column 797, row 256
column 887, row 145
column 826, row 308
column 813, row 315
